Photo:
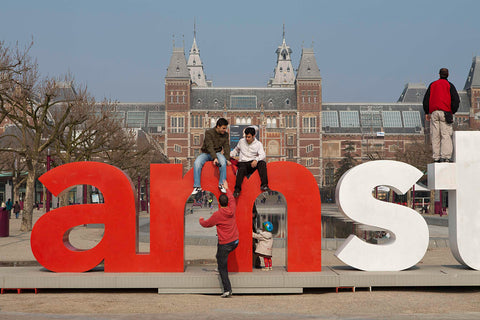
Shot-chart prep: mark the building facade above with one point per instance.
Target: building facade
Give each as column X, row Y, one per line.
column 287, row 110
column 295, row 124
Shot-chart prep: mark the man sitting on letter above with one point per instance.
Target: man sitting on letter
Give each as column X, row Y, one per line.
column 251, row 158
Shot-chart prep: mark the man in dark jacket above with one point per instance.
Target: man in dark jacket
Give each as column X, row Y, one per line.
column 440, row 102
column 216, row 140
column 227, row 231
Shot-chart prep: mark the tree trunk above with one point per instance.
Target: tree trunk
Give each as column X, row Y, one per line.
column 431, row 205
column 16, row 187
column 63, row 199
column 27, row 216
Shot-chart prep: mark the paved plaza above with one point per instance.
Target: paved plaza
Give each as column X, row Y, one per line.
column 422, row 303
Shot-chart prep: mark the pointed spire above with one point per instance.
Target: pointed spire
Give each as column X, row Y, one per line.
column 308, row 68
column 178, row 65
column 195, row 66
column 284, row 75
column 194, row 29
column 473, row 80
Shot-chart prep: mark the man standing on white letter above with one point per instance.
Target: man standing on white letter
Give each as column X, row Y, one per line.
column 440, row 102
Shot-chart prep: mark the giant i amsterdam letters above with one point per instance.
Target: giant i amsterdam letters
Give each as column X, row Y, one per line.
column 170, row 190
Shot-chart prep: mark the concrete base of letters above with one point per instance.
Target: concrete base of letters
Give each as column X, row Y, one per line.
column 204, row 280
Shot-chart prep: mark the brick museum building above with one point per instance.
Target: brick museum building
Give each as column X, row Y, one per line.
column 295, row 124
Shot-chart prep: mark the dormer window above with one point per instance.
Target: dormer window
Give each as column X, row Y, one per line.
column 199, row 102
column 281, row 69
column 288, row 69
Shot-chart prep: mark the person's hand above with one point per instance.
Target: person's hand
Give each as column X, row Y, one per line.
column 225, row 184
column 254, row 163
column 215, row 161
column 229, row 163
column 427, row 117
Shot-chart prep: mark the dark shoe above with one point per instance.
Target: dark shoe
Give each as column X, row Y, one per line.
column 265, row 188
column 227, row 294
column 236, row 194
column 438, row 160
column 447, row 160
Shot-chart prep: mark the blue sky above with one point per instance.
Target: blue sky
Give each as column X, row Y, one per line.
column 366, row 50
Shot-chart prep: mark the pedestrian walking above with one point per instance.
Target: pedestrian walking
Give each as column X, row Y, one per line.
column 8, row 207
column 16, row 209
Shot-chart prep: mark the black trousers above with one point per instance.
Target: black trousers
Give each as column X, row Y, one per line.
column 223, row 250
column 245, row 169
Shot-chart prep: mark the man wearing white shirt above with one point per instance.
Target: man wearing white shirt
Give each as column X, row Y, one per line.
column 251, row 157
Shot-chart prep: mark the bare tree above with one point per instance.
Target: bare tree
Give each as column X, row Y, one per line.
column 28, row 103
column 98, row 134
column 418, row 154
column 348, row 161
column 10, row 162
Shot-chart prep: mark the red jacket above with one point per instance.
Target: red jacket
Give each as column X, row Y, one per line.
column 225, row 221
column 441, row 95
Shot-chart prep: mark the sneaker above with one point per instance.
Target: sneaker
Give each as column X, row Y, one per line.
column 447, row 160
column 266, row 269
column 227, row 294
column 438, row 160
column 236, row 194
column 222, row 189
column 265, row 188
column 196, row 190
column 270, row 268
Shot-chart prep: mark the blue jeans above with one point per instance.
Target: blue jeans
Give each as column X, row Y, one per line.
column 198, row 165
column 223, row 250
